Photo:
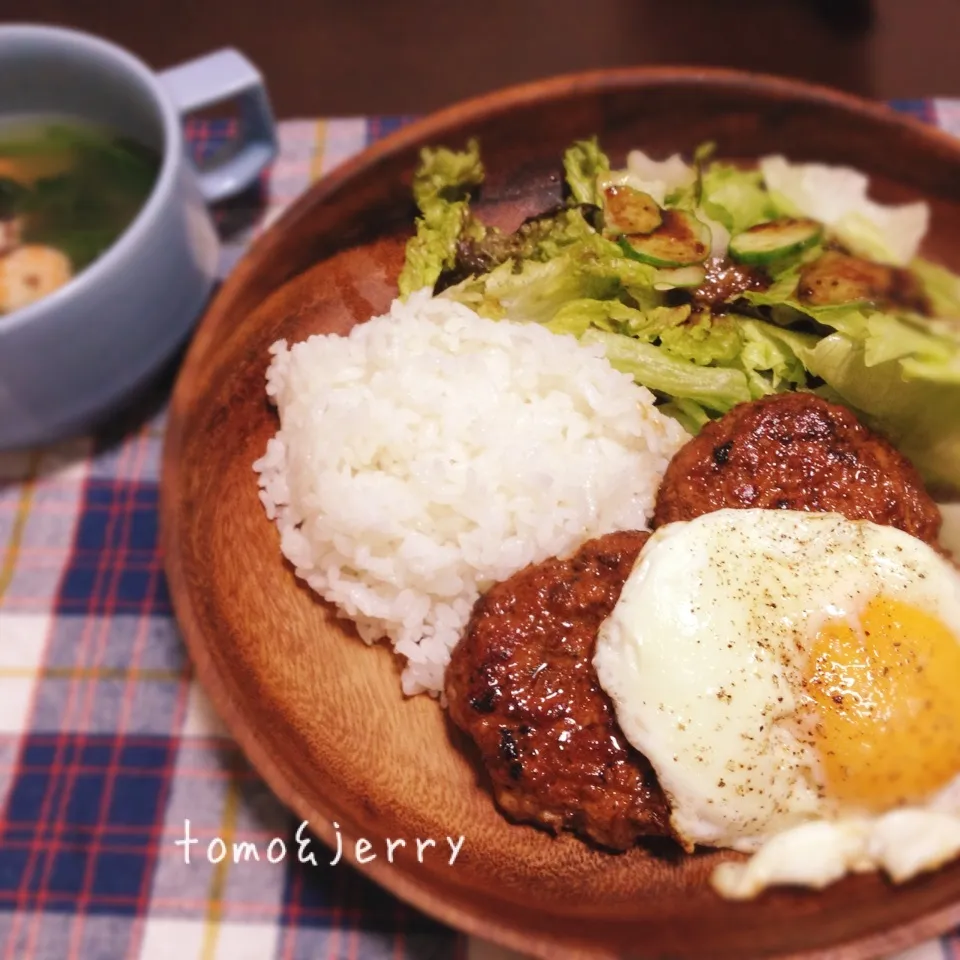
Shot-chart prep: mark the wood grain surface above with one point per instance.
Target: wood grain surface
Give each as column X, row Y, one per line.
column 319, row 713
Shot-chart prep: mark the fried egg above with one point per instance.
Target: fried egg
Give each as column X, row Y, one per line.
column 794, row 679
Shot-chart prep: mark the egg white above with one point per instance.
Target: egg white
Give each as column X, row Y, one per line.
column 703, row 658
column 903, row 843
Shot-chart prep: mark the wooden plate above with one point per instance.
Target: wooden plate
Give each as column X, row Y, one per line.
column 321, row 715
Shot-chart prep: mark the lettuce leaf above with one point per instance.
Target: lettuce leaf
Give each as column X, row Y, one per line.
column 941, row 286
column 446, row 176
column 534, row 291
column 849, row 318
column 837, row 197
column 769, row 356
column 432, row 249
column 931, row 371
column 715, row 388
column 578, row 316
column 890, row 337
column 705, row 340
column 584, row 164
column 736, row 198
column 593, row 268
column 441, row 187
column 545, row 238
column 688, row 413
column 614, row 316
column 950, row 532
column 885, row 336
column 919, row 415
column 901, row 373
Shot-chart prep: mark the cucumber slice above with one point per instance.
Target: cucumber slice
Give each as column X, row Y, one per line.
column 680, row 241
column 771, row 241
column 626, row 210
column 679, row 277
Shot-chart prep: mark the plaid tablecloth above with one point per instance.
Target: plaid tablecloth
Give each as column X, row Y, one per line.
column 107, row 745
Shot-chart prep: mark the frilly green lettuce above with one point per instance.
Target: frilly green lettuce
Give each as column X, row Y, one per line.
column 919, row 415
column 584, row 164
column 592, row 268
column 885, row 336
column 614, row 316
column 446, row 175
column 941, row 286
column 533, row 290
column 432, row 249
column 898, row 370
column 705, row 340
column 688, row 413
column 715, row 388
column 901, row 372
column 441, row 185
column 769, row 356
column 735, row 197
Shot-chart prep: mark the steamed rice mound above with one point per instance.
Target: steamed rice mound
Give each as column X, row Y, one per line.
column 432, row 453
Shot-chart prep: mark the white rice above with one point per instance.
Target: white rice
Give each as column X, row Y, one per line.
column 432, row 453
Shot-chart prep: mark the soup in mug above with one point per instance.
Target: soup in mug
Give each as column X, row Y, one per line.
column 68, row 189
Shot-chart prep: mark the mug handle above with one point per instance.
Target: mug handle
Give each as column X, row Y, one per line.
column 225, row 75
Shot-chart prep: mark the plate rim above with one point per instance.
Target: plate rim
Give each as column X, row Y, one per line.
column 191, row 375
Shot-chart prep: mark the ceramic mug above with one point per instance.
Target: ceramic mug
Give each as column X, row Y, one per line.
column 74, row 355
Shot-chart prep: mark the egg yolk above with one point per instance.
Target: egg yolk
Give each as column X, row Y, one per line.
column 886, row 700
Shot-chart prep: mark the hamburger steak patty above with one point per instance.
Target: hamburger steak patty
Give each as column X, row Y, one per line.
column 795, row 451
column 521, row 683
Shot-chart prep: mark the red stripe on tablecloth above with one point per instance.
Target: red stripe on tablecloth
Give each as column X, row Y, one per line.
column 66, row 506
column 28, row 603
column 293, row 913
column 336, row 922
column 22, row 896
column 156, row 740
column 198, row 772
column 149, row 851
column 353, row 938
column 59, row 770
column 158, row 828
column 159, row 838
column 249, row 908
column 149, row 558
column 399, row 925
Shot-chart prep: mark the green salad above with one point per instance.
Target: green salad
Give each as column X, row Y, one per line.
column 712, row 284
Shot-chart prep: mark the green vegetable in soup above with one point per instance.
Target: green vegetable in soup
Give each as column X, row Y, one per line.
column 72, row 186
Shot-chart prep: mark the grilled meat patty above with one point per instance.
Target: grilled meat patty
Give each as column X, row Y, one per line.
column 795, row 451
column 521, row 683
